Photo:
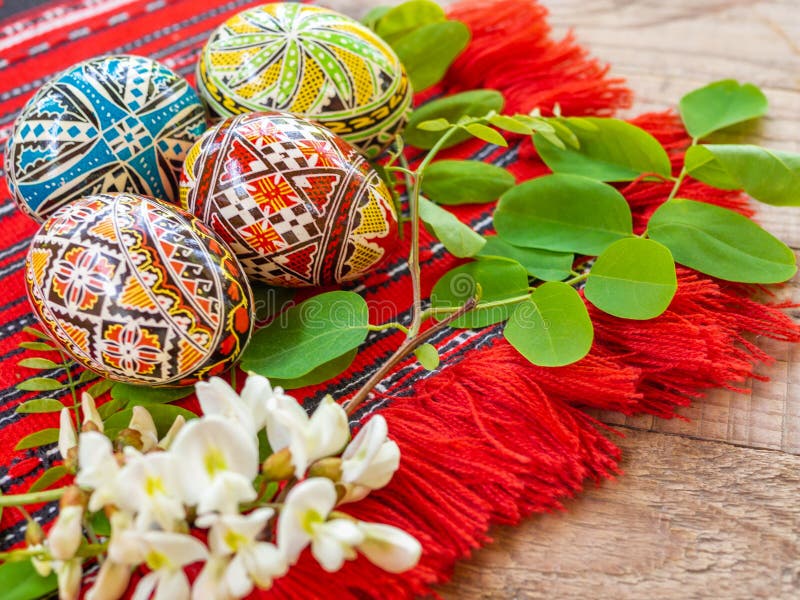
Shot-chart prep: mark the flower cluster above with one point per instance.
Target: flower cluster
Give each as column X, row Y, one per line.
column 205, row 474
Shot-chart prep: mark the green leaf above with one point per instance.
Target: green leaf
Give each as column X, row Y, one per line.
column 564, row 213
column 87, row 376
column 40, row 438
column 308, row 335
column 321, row 374
column 405, row 18
column 498, row 279
column 512, row 124
column 428, row 356
column 434, row 125
column 719, row 105
column 100, row 388
column 721, row 243
column 40, row 346
column 107, row 409
column 634, row 279
column 163, row 417
column 454, row 182
column 474, row 103
column 40, row 384
column 427, row 52
column 609, row 150
column 770, row 176
column 100, row 523
column 36, row 333
column 459, row 239
column 40, row 405
column 20, row 581
column 38, row 363
column 270, row 300
column 487, row 134
column 48, row 478
column 542, row 264
column 553, row 328
column 145, row 395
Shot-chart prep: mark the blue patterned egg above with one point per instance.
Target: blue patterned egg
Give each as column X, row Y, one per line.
column 110, row 124
column 138, row 290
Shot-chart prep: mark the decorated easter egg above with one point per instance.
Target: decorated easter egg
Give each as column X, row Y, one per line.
column 138, row 290
column 298, row 205
column 110, row 124
column 311, row 62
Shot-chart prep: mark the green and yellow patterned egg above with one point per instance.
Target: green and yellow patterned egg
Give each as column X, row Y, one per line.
column 309, row 61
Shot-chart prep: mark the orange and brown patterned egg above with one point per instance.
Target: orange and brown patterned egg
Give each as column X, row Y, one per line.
column 298, row 205
column 139, row 291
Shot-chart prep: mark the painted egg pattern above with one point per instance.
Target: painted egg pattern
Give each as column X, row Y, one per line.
column 298, row 205
column 110, row 124
column 139, row 291
column 309, row 61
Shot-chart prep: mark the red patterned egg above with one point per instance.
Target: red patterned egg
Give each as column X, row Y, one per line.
column 298, row 205
column 139, row 291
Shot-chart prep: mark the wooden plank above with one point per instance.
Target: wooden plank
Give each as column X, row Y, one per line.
column 688, row 519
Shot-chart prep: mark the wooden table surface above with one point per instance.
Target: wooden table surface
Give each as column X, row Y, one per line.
column 708, row 508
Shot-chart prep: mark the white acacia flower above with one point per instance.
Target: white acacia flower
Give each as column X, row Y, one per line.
column 323, row 434
column 98, row 469
column 165, row 442
column 369, row 461
column 211, row 583
column 91, row 418
column 251, row 561
column 150, row 486
column 66, row 533
column 142, row 421
column 69, row 573
column 250, row 409
column 111, row 582
column 388, row 547
column 67, row 438
column 303, row 521
column 165, row 554
column 217, row 464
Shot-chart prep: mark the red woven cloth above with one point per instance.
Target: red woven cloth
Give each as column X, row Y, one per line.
column 487, row 438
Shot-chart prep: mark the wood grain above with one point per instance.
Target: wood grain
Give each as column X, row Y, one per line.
column 688, row 519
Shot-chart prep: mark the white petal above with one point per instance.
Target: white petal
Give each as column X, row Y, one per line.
column 315, row 496
column 145, row 587
column 210, row 583
column 151, row 484
column 225, row 493
column 390, row 548
column 172, row 585
column 284, row 417
column 98, row 469
column 142, row 421
column 215, row 396
column 333, row 543
column 237, row 580
column 363, row 448
column 89, row 410
column 181, row 549
column 111, row 583
column 264, row 562
column 328, row 429
column 380, row 470
column 255, row 394
column 67, row 533
column 176, row 426
column 67, row 438
column 69, row 579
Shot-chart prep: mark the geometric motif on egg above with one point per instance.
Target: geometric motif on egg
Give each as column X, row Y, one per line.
column 297, row 204
column 311, row 62
column 138, row 290
column 109, row 124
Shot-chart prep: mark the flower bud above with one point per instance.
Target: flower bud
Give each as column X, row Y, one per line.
column 330, row 468
column 129, row 437
column 66, row 534
column 67, row 438
column 42, row 566
column 91, row 418
column 34, row 534
column 142, row 421
column 176, row 426
column 73, row 496
column 278, row 466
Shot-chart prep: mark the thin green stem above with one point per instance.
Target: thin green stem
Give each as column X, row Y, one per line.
column 681, row 176
column 449, row 310
column 578, row 279
column 32, row 497
column 403, row 170
column 392, row 325
column 233, row 377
